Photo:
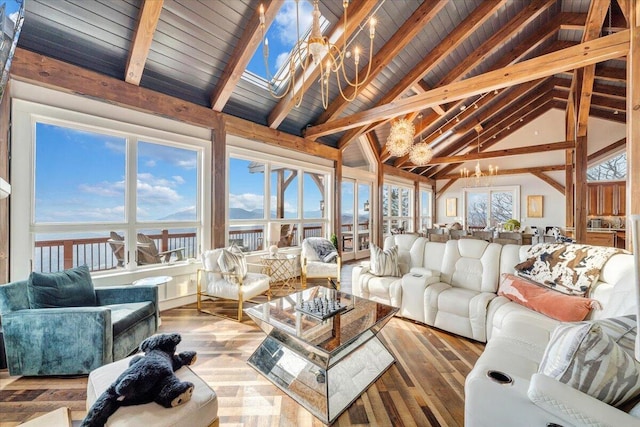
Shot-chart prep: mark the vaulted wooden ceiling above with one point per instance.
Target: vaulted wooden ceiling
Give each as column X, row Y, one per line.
column 448, row 65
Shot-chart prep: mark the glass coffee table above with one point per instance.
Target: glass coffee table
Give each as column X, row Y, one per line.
column 322, row 347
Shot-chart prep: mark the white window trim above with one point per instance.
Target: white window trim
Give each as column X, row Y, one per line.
column 515, row 189
column 24, row 116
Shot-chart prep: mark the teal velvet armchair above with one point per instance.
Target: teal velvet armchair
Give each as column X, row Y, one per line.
column 74, row 340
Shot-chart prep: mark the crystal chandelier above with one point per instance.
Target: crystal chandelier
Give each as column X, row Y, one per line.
column 325, row 54
column 401, row 137
column 479, row 177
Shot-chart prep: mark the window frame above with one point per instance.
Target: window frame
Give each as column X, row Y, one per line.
column 515, row 189
column 241, row 148
column 387, row 218
column 26, row 114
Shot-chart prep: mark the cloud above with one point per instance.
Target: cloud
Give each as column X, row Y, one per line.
column 285, row 22
column 246, row 201
column 14, row 16
column 280, row 60
column 155, row 191
column 178, row 179
column 150, row 163
column 103, row 189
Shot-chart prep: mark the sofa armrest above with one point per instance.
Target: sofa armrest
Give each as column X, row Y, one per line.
column 127, row 293
column 57, row 341
column 574, row 406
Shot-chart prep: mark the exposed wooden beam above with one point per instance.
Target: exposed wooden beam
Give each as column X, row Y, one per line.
column 498, row 128
column 479, row 116
column 515, row 171
column 619, row 144
column 52, row 73
column 390, row 170
column 503, row 153
column 602, row 49
column 400, row 39
column 555, row 184
column 218, row 185
column 497, row 40
column 242, row 54
column 357, row 11
column 595, row 18
column 633, row 111
column 605, row 90
column 467, row 27
column 422, row 87
column 446, row 186
column 142, row 39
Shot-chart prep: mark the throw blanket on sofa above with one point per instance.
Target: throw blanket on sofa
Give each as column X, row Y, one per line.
column 567, row 268
column 324, row 249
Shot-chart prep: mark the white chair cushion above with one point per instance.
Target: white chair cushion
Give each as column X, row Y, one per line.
column 201, row 410
column 253, row 284
column 318, row 269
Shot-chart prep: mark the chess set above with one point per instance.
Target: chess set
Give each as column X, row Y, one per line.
column 321, row 307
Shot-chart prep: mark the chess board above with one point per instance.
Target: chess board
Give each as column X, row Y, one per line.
column 321, row 307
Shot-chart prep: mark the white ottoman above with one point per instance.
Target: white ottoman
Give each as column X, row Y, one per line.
column 201, row 410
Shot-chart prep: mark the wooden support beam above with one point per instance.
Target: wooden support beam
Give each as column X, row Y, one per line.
column 373, row 144
column 514, row 171
column 218, row 185
column 357, row 11
column 549, row 181
column 142, row 39
column 446, row 186
column 619, row 144
column 563, row 145
column 390, row 170
column 580, row 223
column 467, row 27
column 242, row 54
column 602, row 49
column 52, row 73
column 633, row 112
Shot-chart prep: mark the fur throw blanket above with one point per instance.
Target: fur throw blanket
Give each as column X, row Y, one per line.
column 568, row 268
column 323, row 248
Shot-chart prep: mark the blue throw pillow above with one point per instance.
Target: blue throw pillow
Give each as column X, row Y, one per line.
column 68, row 288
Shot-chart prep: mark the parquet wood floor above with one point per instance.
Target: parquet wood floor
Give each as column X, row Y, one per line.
column 425, row 387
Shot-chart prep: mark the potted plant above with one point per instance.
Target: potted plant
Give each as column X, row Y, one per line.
column 512, row 225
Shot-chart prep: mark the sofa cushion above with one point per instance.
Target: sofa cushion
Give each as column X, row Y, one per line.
column 595, row 358
column 570, row 269
column 67, row 288
column 384, row 262
column 559, row 306
column 124, row 316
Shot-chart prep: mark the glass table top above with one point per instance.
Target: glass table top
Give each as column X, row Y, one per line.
column 282, row 318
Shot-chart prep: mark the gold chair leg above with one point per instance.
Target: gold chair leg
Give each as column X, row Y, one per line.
column 239, row 308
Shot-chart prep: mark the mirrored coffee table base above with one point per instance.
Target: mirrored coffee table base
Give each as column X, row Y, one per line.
column 325, row 382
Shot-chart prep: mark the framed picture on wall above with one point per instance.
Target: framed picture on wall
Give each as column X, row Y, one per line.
column 451, row 206
column 534, row 206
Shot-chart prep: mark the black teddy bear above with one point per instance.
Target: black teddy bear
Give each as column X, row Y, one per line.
column 149, row 378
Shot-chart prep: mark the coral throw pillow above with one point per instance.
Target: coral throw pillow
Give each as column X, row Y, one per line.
column 559, row 306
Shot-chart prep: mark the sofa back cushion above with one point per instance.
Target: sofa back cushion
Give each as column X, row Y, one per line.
column 471, row 264
column 433, row 256
column 410, row 250
column 67, row 288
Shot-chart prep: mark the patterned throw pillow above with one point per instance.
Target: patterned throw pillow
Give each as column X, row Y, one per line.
column 384, row 262
column 232, row 261
column 595, row 358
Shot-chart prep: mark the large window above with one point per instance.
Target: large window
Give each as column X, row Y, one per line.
column 297, row 206
column 113, row 198
column 491, row 207
column 614, row 168
column 426, row 197
column 397, row 208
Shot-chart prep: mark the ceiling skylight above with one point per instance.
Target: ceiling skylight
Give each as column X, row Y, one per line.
column 282, row 38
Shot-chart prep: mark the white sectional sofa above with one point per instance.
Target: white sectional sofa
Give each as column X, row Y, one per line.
column 453, row 286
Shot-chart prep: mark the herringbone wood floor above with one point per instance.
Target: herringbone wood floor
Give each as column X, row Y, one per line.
column 424, row 388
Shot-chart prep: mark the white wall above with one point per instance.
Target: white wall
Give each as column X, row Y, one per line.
column 548, row 128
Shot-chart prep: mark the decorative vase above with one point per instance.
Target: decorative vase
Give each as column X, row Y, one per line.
column 273, row 250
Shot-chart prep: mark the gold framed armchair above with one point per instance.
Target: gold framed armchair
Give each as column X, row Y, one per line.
column 318, row 261
column 214, row 283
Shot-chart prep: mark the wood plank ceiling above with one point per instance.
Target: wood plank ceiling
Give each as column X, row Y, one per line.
column 454, row 66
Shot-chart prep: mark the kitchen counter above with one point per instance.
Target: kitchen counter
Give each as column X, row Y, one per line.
column 614, row 237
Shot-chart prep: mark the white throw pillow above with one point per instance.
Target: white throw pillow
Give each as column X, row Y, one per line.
column 232, row 261
column 595, row 358
column 384, row 262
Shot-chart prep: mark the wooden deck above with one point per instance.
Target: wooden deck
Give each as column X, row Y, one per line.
column 424, row 388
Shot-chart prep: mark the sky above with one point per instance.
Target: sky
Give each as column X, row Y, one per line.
column 282, row 37
column 11, row 7
column 80, row 177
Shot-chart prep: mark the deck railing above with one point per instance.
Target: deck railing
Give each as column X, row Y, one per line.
column 97, row 253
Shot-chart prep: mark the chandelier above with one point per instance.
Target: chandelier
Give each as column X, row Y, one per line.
column 479, row 178
column 401, row 137
column 316, row 51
